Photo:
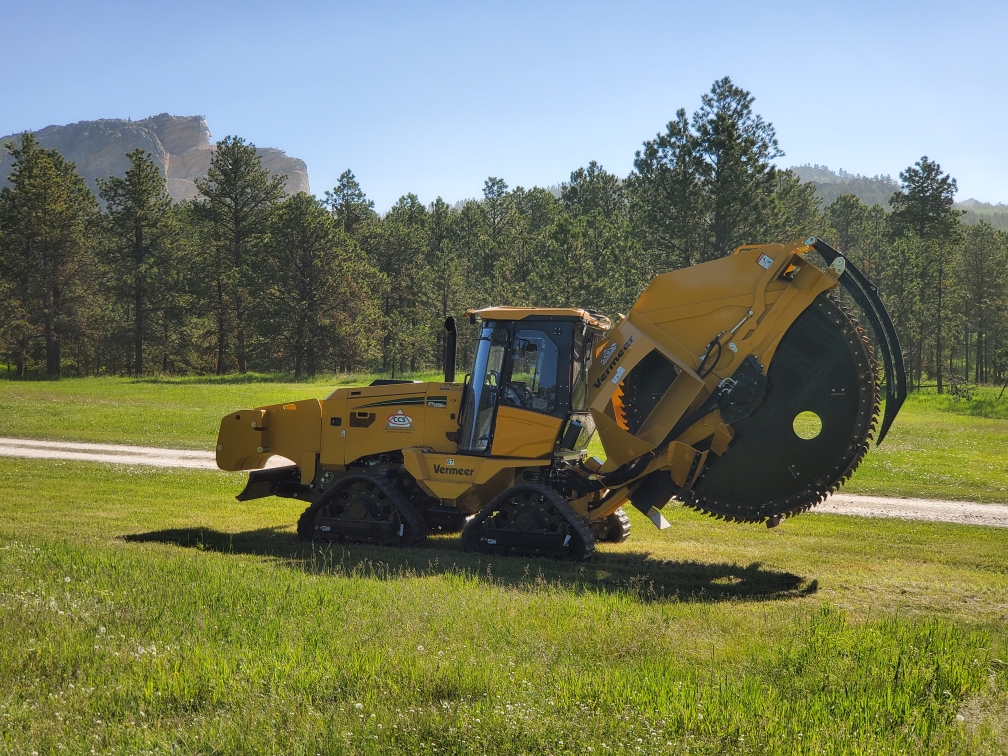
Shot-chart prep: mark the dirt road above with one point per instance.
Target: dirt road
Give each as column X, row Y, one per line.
column 114, row 453
column 935, row 510
column 965, row 512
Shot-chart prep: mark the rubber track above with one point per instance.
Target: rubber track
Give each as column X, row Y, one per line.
column 805, row 500
column 417, row 527
column 576, row 523
column 620, row 519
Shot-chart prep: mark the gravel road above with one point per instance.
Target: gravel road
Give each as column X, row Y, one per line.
column 964, row 512
column 114, row 453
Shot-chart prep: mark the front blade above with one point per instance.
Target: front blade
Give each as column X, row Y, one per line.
column 823, row 365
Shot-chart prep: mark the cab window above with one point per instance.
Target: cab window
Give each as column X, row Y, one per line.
column 580, row 366
column 533, row 382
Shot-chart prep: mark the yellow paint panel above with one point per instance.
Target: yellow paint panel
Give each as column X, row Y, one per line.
column 295, row 433
column 238, row 439
column 670, row 408
column 619, row 445
column 460, row 476
column 723, row 436
column 680, row 458
column 450, row 491
column 521, row 433
column 441, row 416
column 521, row 313
column 335, row 421
column 384, row 418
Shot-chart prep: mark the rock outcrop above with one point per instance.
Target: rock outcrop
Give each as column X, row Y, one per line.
column 179, row 144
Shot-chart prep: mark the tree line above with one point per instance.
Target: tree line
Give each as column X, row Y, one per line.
column 124, row 281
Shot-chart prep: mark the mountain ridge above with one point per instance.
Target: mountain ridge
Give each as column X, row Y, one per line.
column 877, row 189
column 179, row 145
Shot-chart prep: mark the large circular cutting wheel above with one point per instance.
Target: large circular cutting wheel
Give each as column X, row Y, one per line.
column 811, row 430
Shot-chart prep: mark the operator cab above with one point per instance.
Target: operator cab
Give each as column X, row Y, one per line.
column 530, row 368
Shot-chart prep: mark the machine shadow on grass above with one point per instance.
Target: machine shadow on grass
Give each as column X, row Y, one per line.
column 635, row 574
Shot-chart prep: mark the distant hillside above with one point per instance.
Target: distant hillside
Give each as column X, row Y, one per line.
column 878, row 190
column 179, row 144
column 875, row 190
column 976, row 211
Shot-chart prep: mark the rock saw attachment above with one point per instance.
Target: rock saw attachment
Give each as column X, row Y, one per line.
column 744, row 388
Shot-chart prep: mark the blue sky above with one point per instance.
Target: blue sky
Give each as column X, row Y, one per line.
column 433, row 98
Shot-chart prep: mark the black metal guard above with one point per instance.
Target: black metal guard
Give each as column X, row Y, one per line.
column 451, row 337
column 276, row 481
column 865, row 293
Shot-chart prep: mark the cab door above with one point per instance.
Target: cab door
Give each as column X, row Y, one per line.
column 532, row 401
column 482, row 391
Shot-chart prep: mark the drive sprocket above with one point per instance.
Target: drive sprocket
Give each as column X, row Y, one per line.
column 823, row 364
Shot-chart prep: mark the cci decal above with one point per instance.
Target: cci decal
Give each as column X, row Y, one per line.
column 400, row 420
column 607, row 354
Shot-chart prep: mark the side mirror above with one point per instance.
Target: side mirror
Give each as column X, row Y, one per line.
column 527, row 348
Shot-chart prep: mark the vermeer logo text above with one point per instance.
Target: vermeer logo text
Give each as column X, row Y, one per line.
column 467, row 471
column 608, row 369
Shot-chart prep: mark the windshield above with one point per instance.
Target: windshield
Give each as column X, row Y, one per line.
column 481, row 393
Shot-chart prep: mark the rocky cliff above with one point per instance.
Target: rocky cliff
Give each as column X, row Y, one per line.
column 179, row 144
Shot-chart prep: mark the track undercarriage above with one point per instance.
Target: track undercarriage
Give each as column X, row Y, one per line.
column 528, row 519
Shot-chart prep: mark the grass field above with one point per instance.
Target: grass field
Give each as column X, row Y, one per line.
column 147, row 611
column 181, row 412
column 938, row 447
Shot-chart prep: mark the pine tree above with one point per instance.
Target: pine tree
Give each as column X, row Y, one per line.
column 736, row 148
column 348, row 204
column 314, row 284
column 236, row 203
column 139, row 221
column 48, row 225
column 923, row 207
column 667, row 197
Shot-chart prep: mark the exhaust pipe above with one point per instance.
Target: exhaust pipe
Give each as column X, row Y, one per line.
column 451, row 337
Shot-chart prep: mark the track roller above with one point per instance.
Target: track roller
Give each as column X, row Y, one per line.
column 362, row 509
column 615, row 528
column 619, row 526
column 532, row 520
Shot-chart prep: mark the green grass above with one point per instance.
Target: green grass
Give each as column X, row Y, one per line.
column 938, row 447
column 941, row 448
column 146, row 610
column 172, row 412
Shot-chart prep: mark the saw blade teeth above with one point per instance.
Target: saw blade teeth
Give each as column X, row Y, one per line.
column 845, row 468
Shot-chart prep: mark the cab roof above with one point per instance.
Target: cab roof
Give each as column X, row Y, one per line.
column 593, row 319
